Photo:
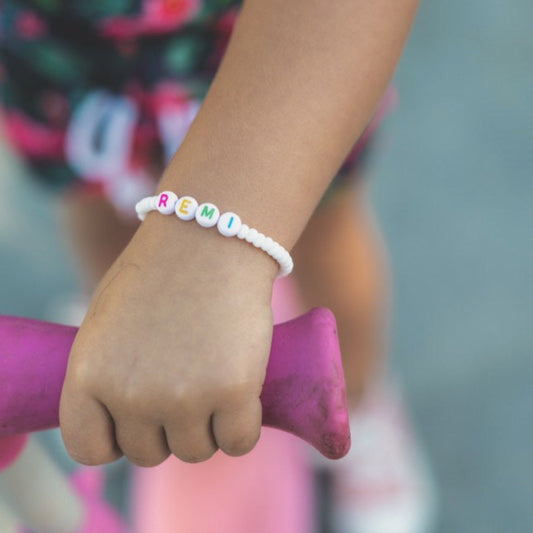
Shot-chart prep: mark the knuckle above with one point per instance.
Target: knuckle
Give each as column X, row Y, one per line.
column 80, row 375
column 185, row 400
column 180, row 391
column 134, row 398
column 131, row 398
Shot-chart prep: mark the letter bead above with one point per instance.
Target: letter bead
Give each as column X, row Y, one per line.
column 207, row 215
column 166, row 202
column 186, row 208
column 229, row 224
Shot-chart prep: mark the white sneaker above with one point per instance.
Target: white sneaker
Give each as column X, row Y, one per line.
column 384, row 484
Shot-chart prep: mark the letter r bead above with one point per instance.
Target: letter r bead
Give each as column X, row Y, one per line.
column 166, row 202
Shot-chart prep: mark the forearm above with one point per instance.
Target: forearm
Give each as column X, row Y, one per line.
column 298, row 83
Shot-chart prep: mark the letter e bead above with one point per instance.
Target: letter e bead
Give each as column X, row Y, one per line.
column 186, row 208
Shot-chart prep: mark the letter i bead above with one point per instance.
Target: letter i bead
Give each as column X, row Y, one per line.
column 229, row 224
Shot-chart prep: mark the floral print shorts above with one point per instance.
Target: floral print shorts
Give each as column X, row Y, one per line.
column 96, row 93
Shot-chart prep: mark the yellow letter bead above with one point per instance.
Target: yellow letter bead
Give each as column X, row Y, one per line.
column 229, row 224
column 186, row 208
column 207, row 215
column 166, row 202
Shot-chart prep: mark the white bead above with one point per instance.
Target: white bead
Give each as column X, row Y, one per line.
column 186, row 208
column 269, row 243
column 259, row 240
column 285, row 267
column 207, row 215
column 243, row 231
column 166, row 202
column 275, row 250
column 284, row 273
column 144, row 206
column 285, row 262
column 252, row 234
column 280, row 256
column 229, row 224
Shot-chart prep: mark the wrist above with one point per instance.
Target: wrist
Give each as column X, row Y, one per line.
column 208, row 215
column 242, row 191
column 182, row 244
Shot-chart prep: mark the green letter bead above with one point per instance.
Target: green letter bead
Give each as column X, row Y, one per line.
column 207, row 215
column 206, row 212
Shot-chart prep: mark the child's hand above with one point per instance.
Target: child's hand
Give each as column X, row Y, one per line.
column 172, row 355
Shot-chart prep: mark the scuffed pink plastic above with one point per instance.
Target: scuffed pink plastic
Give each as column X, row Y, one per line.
column 304, row 390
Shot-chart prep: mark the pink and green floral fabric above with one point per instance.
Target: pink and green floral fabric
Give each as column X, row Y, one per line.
column 96, row 93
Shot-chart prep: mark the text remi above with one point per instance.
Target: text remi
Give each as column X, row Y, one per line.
column 206, row 214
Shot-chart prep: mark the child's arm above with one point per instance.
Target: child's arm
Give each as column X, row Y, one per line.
column 172, row 355
column 299, row 82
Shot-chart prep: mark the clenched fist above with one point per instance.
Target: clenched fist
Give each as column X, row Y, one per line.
column 172, row 354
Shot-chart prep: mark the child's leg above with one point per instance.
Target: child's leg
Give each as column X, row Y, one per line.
column 383, row 484
column 340, row 263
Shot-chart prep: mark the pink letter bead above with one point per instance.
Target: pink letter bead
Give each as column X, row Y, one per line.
column 166, row 202
column 186, row 208
column 229, row 224
column 207, row 215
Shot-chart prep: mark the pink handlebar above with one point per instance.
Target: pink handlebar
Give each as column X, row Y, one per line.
column 304, row 390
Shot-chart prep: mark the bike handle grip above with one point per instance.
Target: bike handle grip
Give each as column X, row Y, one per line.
column 303, row 393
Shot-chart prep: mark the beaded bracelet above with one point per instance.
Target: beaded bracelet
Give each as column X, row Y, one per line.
column 207, row 215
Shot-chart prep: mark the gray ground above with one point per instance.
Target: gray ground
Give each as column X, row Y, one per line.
column 453, row 187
